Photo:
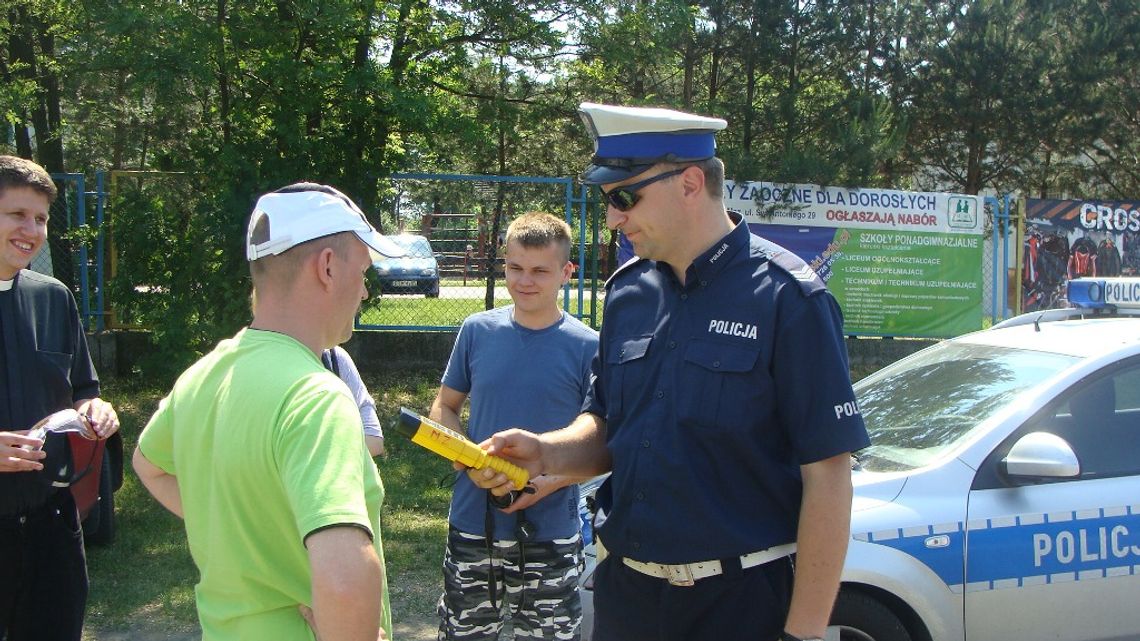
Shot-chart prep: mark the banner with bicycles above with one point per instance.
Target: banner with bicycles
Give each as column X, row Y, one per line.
column 1066, row 239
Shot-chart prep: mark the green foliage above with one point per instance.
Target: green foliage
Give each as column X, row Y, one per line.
column 1095, row 146
column 1012, row 92
column 81, row 235
column 873, row 134
column 1037, row 96
column 180, row 270
column 13, row 96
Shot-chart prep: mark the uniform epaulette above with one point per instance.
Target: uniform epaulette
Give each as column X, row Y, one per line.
column 623, row 267
column 809, row 281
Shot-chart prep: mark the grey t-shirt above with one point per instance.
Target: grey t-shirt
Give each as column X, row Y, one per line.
column 519, row 377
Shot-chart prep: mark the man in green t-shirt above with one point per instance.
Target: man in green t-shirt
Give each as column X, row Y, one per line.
column 259, row 447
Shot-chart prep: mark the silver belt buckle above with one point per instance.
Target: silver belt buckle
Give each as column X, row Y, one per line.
column 680, row 575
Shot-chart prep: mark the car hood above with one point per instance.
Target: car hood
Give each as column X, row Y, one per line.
column 914, row 498
column 875, row 489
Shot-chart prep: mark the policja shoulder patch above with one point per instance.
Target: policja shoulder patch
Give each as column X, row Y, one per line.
column 810, row 283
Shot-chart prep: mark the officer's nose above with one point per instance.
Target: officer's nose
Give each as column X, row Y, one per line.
column 615, row 217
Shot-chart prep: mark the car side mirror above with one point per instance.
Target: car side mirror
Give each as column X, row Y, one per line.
column 1041, row 455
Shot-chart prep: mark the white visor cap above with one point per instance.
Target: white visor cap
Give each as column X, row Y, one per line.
column 298, row 216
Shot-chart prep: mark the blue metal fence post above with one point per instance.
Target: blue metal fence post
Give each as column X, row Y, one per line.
column 100, row 203
column 569, row 214
column 80, row 221
column 1001, row 228
column 584, row 193
column 79, row 258
column 994, row 234
column 583, row 202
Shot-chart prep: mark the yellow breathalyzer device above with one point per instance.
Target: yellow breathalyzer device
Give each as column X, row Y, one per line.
column 454, row 446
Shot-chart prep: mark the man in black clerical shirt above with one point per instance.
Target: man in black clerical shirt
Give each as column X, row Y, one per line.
column 44, row 367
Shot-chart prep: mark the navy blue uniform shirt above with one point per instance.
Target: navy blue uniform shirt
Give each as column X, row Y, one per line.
column 714, row 393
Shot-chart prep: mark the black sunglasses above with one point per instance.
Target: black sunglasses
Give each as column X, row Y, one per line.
column 625, row 197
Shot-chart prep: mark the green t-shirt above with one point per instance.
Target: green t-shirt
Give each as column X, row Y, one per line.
column 267, row 448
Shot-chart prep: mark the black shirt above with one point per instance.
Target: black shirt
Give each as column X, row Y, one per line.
column 47, row 367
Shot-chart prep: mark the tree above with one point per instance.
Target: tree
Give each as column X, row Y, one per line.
column 1095, row 151
column 246, row 97
column 30, row 67
column 984, row 99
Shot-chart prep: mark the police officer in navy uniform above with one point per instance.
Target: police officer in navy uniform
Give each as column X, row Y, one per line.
column 721, row 402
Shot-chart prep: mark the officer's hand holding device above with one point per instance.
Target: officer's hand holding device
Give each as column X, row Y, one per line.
column 453, row 446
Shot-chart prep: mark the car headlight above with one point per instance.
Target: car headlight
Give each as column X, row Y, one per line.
column 428, row 272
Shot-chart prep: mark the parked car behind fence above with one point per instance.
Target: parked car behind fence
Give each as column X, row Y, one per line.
column 415, row 273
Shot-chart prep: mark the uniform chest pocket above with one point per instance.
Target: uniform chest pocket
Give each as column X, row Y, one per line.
column 721, row 383
column 624, row 362
column 55, row 377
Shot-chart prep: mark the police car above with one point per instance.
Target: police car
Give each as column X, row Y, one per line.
column 1000, row 498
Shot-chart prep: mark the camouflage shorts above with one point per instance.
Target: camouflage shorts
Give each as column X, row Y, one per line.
column 543, row 605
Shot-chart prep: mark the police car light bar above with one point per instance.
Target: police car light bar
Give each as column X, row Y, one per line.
column 1094, row 293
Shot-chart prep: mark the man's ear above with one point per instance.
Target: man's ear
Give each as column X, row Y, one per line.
column 567, row 272
column 325, row 267
column 693, row 181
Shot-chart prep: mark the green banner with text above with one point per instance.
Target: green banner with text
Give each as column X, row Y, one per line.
column 907, row 283
column 899, row 263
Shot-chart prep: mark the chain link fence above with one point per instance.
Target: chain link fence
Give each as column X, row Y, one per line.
column 73, row 253
column 999, row 259
column 453, row 227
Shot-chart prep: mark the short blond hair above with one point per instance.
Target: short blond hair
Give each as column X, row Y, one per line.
column 536, row 229
column 283, row 268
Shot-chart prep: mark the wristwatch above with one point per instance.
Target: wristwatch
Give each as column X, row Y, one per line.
column 504, row 501
column 788, row 636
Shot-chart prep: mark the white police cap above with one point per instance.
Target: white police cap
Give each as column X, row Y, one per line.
column 630, row 140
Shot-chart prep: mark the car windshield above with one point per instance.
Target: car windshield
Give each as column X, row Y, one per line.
column 415, row 246
column 919, row 409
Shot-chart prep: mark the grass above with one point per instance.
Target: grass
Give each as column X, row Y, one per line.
column 420, row 311
column 145, row 579
column 441, row 312
column 417, row 486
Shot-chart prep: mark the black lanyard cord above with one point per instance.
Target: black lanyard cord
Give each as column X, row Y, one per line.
column 524, row 534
